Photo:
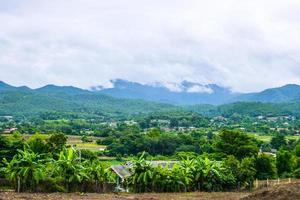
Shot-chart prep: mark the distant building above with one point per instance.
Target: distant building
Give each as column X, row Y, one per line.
column 7, row 117
column 130, row 123
column 260, row 117
column 113, row 124
column 10, row 130
column 219, row 118
column 272, row 119
column 124, row 171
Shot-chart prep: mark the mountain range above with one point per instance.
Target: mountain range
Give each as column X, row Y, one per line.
column 188, row 93
column 70, row 102
column 185, row 93
column 131, row 99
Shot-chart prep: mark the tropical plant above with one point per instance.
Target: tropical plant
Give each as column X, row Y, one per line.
column 25, row 170
column 70, row 168
column 98, row 173
column 142, row 176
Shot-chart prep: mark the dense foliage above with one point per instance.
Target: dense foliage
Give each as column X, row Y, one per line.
column 48, row 164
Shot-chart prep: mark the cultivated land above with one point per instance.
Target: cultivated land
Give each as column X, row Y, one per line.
column 74, row 140
column 267, row 138
column 279, row 192
column 146, row 196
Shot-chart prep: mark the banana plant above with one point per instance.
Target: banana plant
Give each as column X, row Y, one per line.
column 70, row 167
column 142, row 176
column 25, row 170
column 98, row 173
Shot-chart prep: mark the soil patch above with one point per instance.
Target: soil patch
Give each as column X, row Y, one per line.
column 145, row 196
column 282, row 192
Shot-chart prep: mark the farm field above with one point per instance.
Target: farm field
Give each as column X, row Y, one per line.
column 74, row 140
column 267, row 138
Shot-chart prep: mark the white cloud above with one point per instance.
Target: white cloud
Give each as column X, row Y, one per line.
column 245, row 45
column 174, row 87
column 199, row 89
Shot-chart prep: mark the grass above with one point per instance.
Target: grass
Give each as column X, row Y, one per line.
column 267, row 138
column 90, row 146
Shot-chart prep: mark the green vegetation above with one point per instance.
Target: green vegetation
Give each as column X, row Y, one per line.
column 231, row 160
column 67, row 140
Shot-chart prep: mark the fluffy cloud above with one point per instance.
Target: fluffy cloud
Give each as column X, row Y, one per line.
column 245, row 45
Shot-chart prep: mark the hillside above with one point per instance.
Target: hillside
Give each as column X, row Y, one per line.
column 71, row 102
column 248, row 108
column 282, row 94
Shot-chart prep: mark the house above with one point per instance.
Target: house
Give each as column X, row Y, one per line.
column 7, row 117
column 124, row 171
column 9, row 130
column 130, row 123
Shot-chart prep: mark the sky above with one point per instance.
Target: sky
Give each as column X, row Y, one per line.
column 246, row 45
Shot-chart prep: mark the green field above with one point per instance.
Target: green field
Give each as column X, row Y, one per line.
column 267, row 138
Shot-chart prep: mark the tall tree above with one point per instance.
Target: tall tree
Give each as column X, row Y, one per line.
column 284, row 162
column 278, row 141
column 236, row 143
column 265, row 166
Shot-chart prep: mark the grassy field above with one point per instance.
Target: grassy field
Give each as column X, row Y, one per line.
column 76, row 141
column 267, row 138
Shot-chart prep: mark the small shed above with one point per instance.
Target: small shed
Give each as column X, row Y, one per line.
column 122, row 172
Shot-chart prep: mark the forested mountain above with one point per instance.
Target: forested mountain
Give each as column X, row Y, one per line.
column 61, row 89
column 70, row 102
column 282, row 94
column 6, row 87
column 248, row 108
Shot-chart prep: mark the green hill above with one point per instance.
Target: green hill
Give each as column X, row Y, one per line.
column 75, row 103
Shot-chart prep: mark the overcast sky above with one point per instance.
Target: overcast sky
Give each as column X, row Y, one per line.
column 248, row 45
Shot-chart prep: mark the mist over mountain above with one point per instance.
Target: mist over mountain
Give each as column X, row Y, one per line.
column 188, row 93
column 185, row 93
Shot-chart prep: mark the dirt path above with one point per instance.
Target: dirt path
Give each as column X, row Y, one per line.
column 147, row 196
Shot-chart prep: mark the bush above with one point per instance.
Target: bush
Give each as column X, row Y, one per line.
column 297, row 173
